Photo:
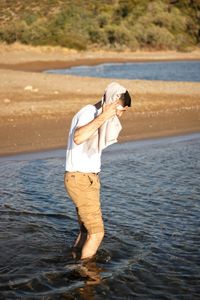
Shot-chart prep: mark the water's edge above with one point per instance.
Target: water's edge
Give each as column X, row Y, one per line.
column 60, row 152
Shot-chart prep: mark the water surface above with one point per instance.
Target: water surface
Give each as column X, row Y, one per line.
column 167, row 71
column 151, row 207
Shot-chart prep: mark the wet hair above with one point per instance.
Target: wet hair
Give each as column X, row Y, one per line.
column 126, row 98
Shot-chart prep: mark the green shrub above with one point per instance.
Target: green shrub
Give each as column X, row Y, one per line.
column 73, row 40
column 178, row 22
column 159, row 26
column 7, row 34
column 184, row 42
column 117, row 24
column 98, row 36
column 103, row 19
column 12, row 32
column 37, row 34
column 111, row 32
column 30, row 18
column 154, row 37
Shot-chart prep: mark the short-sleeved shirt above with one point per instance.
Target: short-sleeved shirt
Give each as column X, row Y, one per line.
column 78, row 158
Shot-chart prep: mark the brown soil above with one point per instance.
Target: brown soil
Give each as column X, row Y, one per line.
column 36, row 108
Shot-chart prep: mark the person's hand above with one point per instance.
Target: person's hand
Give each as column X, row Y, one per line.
column 110, row 110
column 121, row 110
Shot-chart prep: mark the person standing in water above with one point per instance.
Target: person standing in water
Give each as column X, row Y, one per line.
column 93, row 128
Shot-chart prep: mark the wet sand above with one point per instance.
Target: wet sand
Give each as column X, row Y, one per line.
column 36, row 108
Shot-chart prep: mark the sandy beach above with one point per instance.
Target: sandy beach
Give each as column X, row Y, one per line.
column 36, row 108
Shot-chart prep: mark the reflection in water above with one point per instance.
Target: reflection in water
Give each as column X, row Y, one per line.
column 150, row 201
column 91, row 272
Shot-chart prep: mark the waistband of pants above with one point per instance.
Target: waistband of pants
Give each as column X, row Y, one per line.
column 82, row 173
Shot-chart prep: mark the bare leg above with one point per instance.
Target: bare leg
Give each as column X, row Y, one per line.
column 92, row 244
column 82, row 237
column 80, row 240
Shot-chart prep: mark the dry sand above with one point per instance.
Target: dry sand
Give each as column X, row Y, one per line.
column 36, row 108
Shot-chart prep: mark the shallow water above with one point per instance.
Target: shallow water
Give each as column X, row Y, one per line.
column 170, row 71
column 151, row 208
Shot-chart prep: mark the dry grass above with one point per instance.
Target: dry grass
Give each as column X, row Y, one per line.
column 18, row 53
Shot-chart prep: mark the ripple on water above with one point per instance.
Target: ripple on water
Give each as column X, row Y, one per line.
column 150, row 201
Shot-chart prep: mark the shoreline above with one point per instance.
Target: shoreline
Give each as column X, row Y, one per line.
column 37, row 59
column 36, row 108
column 42, row 152
column 51, row 133
column 41, row 66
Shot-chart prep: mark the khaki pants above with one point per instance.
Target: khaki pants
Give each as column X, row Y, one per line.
column 84, row 190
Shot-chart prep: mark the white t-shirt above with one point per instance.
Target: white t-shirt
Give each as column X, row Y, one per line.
column 78, row 159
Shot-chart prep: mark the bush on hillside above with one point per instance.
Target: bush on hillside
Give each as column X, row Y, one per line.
column 159, row 27
column 12, row 32
column 154, row 37
column 110, row 24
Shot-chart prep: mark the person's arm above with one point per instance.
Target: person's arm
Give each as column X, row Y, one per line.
column 83, row 133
